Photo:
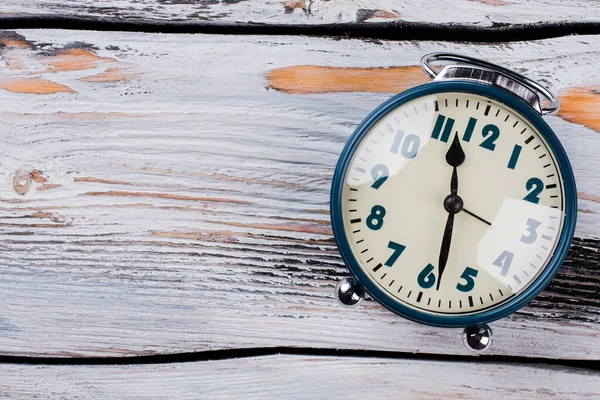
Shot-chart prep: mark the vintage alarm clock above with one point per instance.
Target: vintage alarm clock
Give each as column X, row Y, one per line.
column 453, row 203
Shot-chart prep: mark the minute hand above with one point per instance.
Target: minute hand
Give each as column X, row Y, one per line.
column 445, row 249
column 455, row 156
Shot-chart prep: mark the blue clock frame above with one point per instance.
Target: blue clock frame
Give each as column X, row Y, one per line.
column 512, row 304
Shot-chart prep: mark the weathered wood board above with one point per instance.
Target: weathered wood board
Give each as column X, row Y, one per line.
column 478, row 13
column 169, row 193
column 301, row 377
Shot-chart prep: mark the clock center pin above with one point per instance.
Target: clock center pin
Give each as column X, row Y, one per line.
column 453, row 203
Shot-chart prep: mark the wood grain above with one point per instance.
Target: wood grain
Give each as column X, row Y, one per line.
column 185, row 207
column 479, row 13
column 302, row 377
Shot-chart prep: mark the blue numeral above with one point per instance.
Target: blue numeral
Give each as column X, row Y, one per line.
column 380, row 174
column 397, row 141
column 410, row 146
column 491, row 133
column 514, row 157
column 437, row 128
column 426, row 278
column 504, row 261
column 532, row 225
column 375, row 219
column 467, row 275
column 398, row 249
column 536, row 186
column 469, row 130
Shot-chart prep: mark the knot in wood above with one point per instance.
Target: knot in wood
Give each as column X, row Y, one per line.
column 21, row 181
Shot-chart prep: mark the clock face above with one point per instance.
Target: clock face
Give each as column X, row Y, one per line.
column 452, row 204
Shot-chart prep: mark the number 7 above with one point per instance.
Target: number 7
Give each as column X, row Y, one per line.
column 398, row 249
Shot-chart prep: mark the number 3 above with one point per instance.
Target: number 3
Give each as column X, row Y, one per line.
column 531, row 236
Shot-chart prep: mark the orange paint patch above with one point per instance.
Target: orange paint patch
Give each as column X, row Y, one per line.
column 307, row 79
column 98, row 180
column 38, row 176
column 363, row 15
column 34, row 86
column 15, row 43
column 49, row 186
column 585, row 211
column 110, row 75
column 581, row 106
column 291, row 5
column 41, row 215
column 165, row 196
column 75, row 60
column 585, row 196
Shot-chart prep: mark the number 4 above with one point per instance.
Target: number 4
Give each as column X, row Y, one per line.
column 504, row 261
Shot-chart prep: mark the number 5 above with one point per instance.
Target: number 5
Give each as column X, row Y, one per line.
column 468, row 276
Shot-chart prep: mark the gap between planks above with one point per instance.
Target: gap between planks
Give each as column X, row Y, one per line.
column 228, row 354
column 389, row 31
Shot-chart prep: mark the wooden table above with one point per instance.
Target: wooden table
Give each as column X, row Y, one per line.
column 164, row 216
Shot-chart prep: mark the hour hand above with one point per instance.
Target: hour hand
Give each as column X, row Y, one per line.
column 455, row 155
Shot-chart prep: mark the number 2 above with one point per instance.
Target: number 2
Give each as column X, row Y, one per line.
column 536, row 186
column 491, row 132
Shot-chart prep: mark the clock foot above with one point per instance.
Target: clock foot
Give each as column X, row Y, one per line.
column 478, row 338
column 349, row 292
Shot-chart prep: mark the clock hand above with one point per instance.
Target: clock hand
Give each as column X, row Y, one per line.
column 445, row 249
column 455, row 156
column 476, row 216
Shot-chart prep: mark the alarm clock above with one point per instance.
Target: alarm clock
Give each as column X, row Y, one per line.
column 453, row 203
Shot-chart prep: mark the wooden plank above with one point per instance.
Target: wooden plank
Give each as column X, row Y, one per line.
column 159, row 196
column 477, row 13
column 301, row 377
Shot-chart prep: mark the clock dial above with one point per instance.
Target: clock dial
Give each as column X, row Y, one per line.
column 447, row 233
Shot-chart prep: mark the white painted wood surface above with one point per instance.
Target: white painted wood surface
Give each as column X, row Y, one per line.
column 173, row 202
column 302, row 377
column 479, row 13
